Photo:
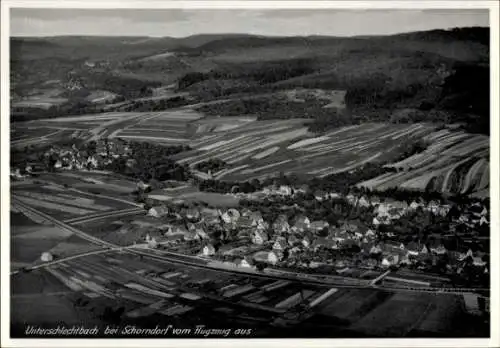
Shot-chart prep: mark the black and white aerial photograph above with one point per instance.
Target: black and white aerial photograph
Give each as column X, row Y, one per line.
column 197, row 173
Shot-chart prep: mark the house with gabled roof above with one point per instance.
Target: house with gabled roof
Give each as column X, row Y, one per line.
column 230, row 216
column 306, row 242
column 280, row 244
column 413, row 249
column 208, row 250
column 364, row 202
column 200, row 232
column 294, row 251
column 382, row 209
column 281, row 225
column 256, row 218
column 246, row 262
column 192, row 213
column 433, row 207
column 333, row 195
column 366, row 246
column 462, row 256
column 413, row 206
column 273, row 258
column 320, row 195
column 374, row 201
column 436, row 247
column 478, row 261
column 263, row 225
column 390, row 260
column 370, row 233
column 394, row 248
column 179, row 229
column 209, row 212
column 244, row 222
column 259, row 237
column 152, row 243
column 484, row 212
column 158, row 211
column 285, row 190
column 323, row 242
column 301, row 222
column 211, row 220
column 483, row 221
column 293, row 239
column 405, row 260
column 245, row 212
column 318, row 225
column 338, row 235
column 351, row 199
column 376, row 249
column 424, row 250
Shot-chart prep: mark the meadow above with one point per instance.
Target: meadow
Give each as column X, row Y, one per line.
column 451, row 162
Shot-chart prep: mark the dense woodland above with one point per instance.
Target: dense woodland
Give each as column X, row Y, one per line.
column 151, row 162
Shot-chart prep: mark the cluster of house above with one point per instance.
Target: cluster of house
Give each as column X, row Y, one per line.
column 72, row 158
column 287, row 241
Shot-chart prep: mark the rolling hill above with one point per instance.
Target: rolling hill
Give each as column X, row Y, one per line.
column 444, row 73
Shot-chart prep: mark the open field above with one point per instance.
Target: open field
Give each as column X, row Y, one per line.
column 28, row 243
column 397, row 316
column 261, row 148
column 68, row 203
column 453, row 162
column 162, row 288
column 29, row 240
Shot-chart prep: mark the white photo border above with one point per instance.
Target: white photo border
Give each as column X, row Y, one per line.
column 6, row 341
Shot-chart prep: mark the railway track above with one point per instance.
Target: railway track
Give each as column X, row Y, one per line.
column 198, row 263
column 61, row 224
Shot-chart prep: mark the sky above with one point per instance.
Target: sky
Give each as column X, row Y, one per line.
column 276, row 22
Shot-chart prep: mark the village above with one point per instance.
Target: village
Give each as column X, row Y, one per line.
column 291, row 228
column 244, row 238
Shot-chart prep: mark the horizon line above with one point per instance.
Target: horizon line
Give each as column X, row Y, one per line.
column 246, row 34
